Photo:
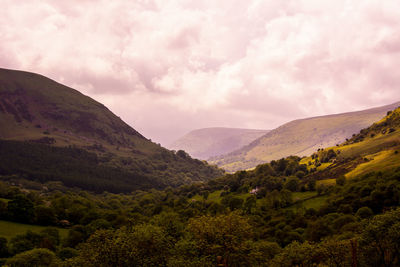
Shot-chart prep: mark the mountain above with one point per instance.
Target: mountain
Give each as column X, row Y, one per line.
column 301, row 137
column 340, row 206
column 44, row 121
column 211, row 142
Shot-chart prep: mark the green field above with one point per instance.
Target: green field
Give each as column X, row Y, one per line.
column 297, row 196
column 313, row 202
column 215, row 196
column 11, row 229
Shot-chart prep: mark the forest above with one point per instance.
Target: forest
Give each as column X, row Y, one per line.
column 359, row 222
column 83, row 168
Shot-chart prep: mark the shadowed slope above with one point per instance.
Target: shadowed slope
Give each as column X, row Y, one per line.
column 39, row 110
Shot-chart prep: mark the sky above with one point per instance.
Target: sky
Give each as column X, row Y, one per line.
column 168, row 67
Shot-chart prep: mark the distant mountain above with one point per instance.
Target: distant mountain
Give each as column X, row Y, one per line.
column 301, row 137
column 211, row 142
column 59, row 125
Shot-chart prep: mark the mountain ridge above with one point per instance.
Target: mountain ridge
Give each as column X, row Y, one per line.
column 38, row 110
column 213, row 141
column 301, row 137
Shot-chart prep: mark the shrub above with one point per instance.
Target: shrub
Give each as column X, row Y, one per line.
column 34, row 257
column 364, row 212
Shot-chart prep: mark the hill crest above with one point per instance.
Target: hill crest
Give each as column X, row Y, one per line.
column 214, row 141
column 301, row 137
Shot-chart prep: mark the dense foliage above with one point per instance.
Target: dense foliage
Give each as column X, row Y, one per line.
column 76, row 167
column 182, row 227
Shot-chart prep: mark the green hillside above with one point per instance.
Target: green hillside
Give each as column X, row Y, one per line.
column 301, row 138
column 340, row 206
column 211, row 142
column 55, row 124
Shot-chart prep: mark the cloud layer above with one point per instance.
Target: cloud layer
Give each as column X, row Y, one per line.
column 167, row 67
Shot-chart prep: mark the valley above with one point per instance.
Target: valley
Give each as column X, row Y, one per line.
column 282, row 212
column 88, row 190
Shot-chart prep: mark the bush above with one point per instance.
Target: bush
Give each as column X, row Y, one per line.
column 341, row 180
column 67, row 253
column 364, row 212
column 34, row 257
column 3, row 248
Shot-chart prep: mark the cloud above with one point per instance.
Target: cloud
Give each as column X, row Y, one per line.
column 169, row 66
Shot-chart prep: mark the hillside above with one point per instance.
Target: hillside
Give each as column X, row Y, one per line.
column 211, row 142
column 46, row 117
column 301, row 137
column 339, row 206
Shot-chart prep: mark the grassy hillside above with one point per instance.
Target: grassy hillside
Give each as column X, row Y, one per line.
column 211, row 142
column 301, row 138
column 36, row 110
column 310, row 211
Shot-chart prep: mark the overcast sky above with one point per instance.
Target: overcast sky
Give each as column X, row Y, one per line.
column 168, row 67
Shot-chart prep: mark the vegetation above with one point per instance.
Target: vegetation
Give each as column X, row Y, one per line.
column 301, row 138
column 10, row 229
column 50, row 132
column 338, row 207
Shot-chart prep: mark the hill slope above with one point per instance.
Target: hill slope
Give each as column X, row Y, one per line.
column 211, row 142
column 36, row 109
column 301, row 137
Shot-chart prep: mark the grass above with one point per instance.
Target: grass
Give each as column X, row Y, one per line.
column 370, row 145
column 11, row 229
column 212, row 197
column 298, row 196
column 215, row 196
column 310, row 201
column 314, row 203
column 383, row 160
column 301, row 137
column 323, row 166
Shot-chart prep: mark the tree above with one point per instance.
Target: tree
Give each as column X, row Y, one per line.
column 3, row 248
column 335, row 252
column 45, row 215
column 250, row 204
column 34, row 257
column 141, row 245
column 296, row 254
column 232, row 202
column 21, row 209
column 24, row 242
column 364, row 212
column 223, row 235
column 292, row 184
column 262, row 252
column 380, row 241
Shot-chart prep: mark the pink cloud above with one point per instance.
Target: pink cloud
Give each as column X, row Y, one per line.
column 167, row 67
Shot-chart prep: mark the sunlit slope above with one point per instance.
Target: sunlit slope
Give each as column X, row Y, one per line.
column 374, row 149
column 39, row 110
column 301, row 137
column 210, row 142
column 373, row 153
